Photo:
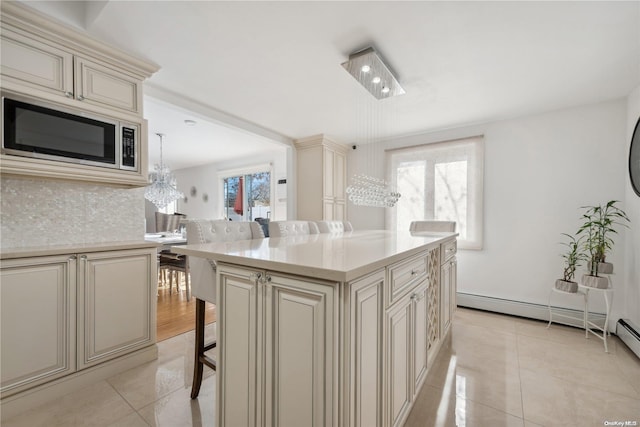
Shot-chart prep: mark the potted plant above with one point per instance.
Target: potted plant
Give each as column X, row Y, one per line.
column 599, row 223
column 572, row 258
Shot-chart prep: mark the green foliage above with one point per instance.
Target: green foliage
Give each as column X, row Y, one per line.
column 572, row 257
column 598, row 227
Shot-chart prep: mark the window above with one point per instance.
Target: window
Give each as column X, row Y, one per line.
column 247, row 197
column 443, row 182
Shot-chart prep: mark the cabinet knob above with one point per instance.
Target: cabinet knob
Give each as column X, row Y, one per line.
column 72, row 257
column 68, row 94
column 80, row 98
column 255, row 276
column 83, row 258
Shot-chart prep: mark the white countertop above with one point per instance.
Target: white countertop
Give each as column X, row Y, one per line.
column 337, row 257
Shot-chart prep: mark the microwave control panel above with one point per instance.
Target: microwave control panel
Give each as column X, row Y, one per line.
column 128, row 147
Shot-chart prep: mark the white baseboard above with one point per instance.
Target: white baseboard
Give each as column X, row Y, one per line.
column 525, row 309
column 18, row 403
column 629, row 333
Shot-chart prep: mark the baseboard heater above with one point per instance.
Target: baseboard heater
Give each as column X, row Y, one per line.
column 525, row 309
column 629, row 333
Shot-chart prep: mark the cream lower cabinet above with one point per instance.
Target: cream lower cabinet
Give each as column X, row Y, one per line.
column 406, row 353
column 115, row 304
column 448, row 285
column 38, row 297
column 289, row 323
column 61, row 314
column 363, row 345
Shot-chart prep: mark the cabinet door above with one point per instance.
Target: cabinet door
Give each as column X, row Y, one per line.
column 328, row 210
column 365, row 350
column 116, row 304
column 398, row 362
column 454, row 286
column 328, row 175
column 30, row 62
column 339, row 176
column 105, row 87
column 239, row 379
column 301, row 360
column 445, row 297
column 419, row 335
column 37, row 318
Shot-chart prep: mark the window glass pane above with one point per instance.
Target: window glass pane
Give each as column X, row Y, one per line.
column 411, row 184
column 259, row 195
column 440, row 181
column 247, row 197
column 450, row 194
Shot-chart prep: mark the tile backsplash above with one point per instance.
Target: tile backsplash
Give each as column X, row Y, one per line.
column 39, row 212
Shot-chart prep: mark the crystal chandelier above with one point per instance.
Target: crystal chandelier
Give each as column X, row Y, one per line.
column 162, row 189
column 369, row 191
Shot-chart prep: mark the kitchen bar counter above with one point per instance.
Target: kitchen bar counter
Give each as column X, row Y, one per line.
column 328, row 329
column 337, row 257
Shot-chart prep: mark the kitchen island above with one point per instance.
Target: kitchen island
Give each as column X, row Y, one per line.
column 328, row 329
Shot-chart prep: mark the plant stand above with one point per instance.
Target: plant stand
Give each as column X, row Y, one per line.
column 600, row 332
column 553, row 311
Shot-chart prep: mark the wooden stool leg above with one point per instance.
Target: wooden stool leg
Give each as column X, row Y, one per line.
column 199, row 349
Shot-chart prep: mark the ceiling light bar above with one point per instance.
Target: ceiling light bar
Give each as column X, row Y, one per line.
column 367, row 67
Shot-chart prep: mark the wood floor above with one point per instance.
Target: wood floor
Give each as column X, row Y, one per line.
column 176, row 315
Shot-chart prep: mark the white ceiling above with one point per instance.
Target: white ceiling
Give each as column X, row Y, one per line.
column 277, row 64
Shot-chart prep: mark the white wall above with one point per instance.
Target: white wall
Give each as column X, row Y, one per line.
column 206, row 180
column 632, row 202
column 539, row 170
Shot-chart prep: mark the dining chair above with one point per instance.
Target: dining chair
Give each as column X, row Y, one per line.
column 170, row 264
column 334, row 226
column 292, row 228
column 433, row 226
column 203, row 280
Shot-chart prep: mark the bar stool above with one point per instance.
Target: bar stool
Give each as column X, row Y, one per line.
column 203, row 281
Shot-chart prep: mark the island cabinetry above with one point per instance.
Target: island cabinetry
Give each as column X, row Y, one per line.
column 37, row 316
column 61, row 314
column 278, row 349
column 363, row 345
column 406, row 334
column 448, row 284
column 322, row 175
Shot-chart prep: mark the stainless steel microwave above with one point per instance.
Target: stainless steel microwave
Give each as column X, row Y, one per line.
column 31, row 128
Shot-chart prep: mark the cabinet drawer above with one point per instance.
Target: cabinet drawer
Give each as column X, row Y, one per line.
column 448, row 250
column 404, row 275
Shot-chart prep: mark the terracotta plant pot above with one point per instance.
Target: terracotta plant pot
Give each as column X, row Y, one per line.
column 603, row 267
column 564, row 286
column 595, row 281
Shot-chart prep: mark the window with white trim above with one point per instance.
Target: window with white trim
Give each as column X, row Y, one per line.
column 440, row 181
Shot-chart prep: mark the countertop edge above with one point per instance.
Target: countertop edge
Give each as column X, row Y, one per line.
column 74, row 249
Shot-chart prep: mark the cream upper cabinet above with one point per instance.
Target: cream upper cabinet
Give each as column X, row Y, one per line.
column 104, row 86
column 28, row 61
column 116, row 315
column 38, row 321
column 322, row 172
column 38, row 66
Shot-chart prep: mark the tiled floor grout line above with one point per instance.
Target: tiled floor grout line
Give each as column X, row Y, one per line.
column 127, row 402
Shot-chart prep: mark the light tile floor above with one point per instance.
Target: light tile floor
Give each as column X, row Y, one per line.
column 494, row 370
